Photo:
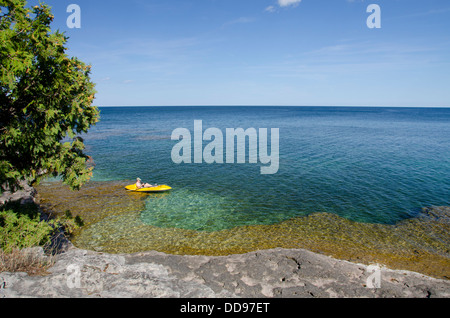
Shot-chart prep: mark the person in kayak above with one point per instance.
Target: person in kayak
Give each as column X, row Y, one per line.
column 141, row 185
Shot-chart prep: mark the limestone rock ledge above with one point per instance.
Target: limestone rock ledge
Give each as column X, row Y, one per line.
column 24, row 196
column 274, row 273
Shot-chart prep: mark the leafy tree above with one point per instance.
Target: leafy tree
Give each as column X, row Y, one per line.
column 45, row 98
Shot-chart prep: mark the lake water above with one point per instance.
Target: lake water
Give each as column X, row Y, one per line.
column 376, row 165
column 352, row 183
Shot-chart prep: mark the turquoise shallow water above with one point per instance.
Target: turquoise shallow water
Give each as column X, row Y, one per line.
column 373, row 165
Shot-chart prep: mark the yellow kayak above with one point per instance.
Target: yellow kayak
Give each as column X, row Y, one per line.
column 159, row 188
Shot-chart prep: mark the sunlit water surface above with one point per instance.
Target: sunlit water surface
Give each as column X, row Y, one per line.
column 352, row 182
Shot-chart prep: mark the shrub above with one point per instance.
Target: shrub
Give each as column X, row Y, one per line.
column 21, row 227
column 23, row 230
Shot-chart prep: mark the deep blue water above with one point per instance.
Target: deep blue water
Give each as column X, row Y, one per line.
column 376, row 165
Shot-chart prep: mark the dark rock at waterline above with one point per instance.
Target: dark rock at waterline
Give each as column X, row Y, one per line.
column 25, row 196
column 437, row 213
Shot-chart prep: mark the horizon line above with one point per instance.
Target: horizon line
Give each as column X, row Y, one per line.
column 347, row 106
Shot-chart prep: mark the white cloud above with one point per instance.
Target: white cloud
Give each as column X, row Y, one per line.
column 282, row 4
column 238, row 21
column 286, row 3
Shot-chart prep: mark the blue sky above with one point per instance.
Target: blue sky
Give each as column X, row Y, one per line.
column 263, row 52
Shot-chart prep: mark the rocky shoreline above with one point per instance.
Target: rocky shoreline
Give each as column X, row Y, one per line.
column 264, row 274
column 276, row 273
column 25, row 195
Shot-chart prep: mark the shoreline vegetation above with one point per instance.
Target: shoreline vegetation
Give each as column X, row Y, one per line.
column 29, row 238
column 46, row 104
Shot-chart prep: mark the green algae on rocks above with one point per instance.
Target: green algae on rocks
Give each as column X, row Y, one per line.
column 113, row 224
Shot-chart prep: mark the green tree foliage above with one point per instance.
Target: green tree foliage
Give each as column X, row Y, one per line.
column 45, row 98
